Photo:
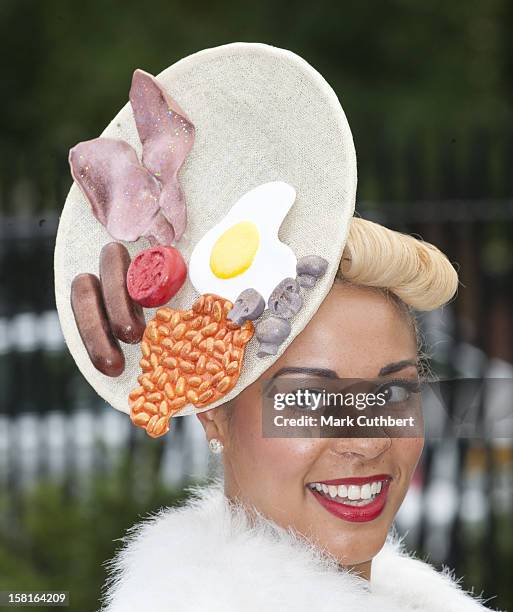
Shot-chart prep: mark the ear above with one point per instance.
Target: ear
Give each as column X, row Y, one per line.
column 214, row 423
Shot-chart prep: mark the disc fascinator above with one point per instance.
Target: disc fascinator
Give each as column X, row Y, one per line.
column 203, row 230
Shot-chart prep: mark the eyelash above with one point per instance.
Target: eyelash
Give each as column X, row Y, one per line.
column 412, row 386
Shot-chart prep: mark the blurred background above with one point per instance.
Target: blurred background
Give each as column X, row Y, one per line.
column 428, row 91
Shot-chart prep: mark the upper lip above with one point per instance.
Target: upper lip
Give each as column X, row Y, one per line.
column 355, row 480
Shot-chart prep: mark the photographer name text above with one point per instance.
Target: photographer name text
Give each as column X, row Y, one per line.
column 347, row 421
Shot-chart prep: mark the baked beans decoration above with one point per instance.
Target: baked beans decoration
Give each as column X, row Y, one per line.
column 192, row 356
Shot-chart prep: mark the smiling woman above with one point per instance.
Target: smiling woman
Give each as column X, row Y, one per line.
column 282, row 283
column 302, row 523
column 275, row 475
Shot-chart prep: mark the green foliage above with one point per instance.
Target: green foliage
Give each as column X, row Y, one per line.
column 417, row 79
column 59, row 541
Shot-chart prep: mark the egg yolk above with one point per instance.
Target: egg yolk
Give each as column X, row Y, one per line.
column 234, row 251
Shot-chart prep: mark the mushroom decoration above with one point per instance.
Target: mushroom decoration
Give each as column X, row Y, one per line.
column 271, row 333
column 285, row 300
column 309, row 269
column 248, row 307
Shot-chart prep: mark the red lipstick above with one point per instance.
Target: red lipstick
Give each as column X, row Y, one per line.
column 355, row 514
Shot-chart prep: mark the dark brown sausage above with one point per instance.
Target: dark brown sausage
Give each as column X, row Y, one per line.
column 125, row 316
column 93, row 325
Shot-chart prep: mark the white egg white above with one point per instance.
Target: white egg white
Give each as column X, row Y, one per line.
column 266, row 206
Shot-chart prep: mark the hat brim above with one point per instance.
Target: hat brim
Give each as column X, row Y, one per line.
column 261, row 114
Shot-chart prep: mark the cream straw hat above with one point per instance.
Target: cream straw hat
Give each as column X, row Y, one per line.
column 261, row 114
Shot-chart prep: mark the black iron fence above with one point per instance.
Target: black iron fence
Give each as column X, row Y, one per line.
column 59, row 442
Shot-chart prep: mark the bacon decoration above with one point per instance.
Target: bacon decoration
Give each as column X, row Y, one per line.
column 167, row 137
column 129, row 198
column 123, row 195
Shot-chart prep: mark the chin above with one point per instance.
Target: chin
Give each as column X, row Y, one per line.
column 359, row 546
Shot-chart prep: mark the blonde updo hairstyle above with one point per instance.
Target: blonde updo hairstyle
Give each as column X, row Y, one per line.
column 415, row 271
column 414, row 274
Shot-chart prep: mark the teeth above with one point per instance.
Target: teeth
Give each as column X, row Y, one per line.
column 342, row 490
column 358, row 502
column 353, row 495
column 366, row 491
column 354, row 492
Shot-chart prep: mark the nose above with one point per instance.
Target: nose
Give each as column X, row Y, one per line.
column 364, row 449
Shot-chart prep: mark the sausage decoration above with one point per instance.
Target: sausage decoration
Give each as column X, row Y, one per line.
column 93, row 325
column 126, row 317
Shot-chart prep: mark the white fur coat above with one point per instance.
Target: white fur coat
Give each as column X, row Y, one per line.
column 206, row 557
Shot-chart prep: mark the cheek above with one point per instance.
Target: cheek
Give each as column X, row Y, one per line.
column 407, row 452
column 277, row 460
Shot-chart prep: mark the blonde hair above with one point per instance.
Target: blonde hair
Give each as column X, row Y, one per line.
column 415, row 271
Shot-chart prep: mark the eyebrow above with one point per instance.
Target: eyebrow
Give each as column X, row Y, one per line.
column 312, row 371
column 397, row 366
column 326, row 373
column 390, row 368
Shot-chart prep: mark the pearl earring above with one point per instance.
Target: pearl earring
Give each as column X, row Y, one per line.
column 216, row 446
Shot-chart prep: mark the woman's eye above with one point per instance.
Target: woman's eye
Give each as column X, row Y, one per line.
column 396, row 394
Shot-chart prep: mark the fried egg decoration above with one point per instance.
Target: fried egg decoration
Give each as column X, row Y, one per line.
column 243, row 250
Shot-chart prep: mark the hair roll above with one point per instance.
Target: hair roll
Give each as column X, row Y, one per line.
column 416, row 271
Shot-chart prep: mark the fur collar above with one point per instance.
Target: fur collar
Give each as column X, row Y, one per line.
column 206, row 557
